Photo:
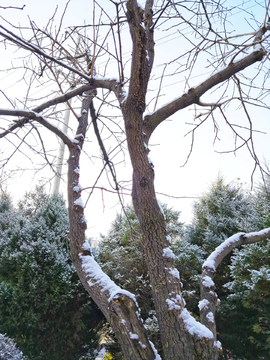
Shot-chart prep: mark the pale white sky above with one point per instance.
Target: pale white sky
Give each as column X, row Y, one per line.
column 169, row 146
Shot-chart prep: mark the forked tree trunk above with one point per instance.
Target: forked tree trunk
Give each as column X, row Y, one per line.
column 180, row 341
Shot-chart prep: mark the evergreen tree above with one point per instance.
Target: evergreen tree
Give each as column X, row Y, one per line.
column 221, row 212
column 121, row 252
column 245, row 313
column 218, row 214
column 9, row 350
column 43, row 305
column 261, row 204
column 242, row 281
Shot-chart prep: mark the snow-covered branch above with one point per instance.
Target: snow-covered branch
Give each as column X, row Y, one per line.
column 209, row 300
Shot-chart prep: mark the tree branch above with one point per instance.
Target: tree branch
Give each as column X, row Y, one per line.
column 140, row 66
column 194, row 94
column 28, row 114
column 110, row 84
column 9, row 35
column 209, row 299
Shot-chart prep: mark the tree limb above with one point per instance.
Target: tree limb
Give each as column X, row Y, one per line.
column 209, row 300
column 110, row 84
column 194, row 94
column 28, row 114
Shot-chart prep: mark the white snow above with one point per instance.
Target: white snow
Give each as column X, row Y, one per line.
column 98, row 277
column 258, row 233
column 77, row 170
column 83, row 219
column 148, row 114
column 217, row 344
column 175, row 273
column 211, row 260
column 167, row 252
column 207, row 281
column 203, row 304
column 174, row 303
column 169, row 238
column 133, row 336
column 157, row 357
column 142, row 345
column 86, row 245
column 210, row 264
column 161, row 208
column 77, row 188
column 79, row 202
column 195, row 327
column 210, row 317
column 152, row 164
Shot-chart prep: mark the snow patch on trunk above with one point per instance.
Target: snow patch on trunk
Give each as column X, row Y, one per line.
column 167, row 252
column 194, row 327
column 79, row 202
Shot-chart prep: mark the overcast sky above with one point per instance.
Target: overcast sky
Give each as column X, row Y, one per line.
column 170, row 143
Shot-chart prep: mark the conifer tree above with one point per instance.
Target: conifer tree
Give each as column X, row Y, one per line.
column 43, row 305
column 245, row 313
column 9, row 350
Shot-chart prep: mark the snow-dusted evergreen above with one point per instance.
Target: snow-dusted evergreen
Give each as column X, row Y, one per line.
column 224, row 210
column 9, row 350
column 43, row 305
column 245, row 313
column 242, row 282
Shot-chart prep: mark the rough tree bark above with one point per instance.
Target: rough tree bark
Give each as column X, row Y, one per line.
column 183, row 338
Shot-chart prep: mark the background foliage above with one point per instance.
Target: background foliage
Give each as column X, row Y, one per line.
column 43, row 305
column 242, row 280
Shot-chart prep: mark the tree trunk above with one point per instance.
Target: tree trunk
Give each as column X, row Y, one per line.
column 180, row 339
column 118, row 306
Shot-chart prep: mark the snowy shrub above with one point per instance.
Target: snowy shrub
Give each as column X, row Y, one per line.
column 43, row 305
column 9, row 350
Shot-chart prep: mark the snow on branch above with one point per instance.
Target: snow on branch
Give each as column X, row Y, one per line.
column 110, row 84
column 96, row 276
column 228, row 245
column 209, row 299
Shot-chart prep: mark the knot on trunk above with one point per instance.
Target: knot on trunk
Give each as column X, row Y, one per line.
column 144, row 181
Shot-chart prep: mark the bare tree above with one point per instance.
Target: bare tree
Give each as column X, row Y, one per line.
column 70, row 63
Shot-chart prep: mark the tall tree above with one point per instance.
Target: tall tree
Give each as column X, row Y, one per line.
column 75, row 70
